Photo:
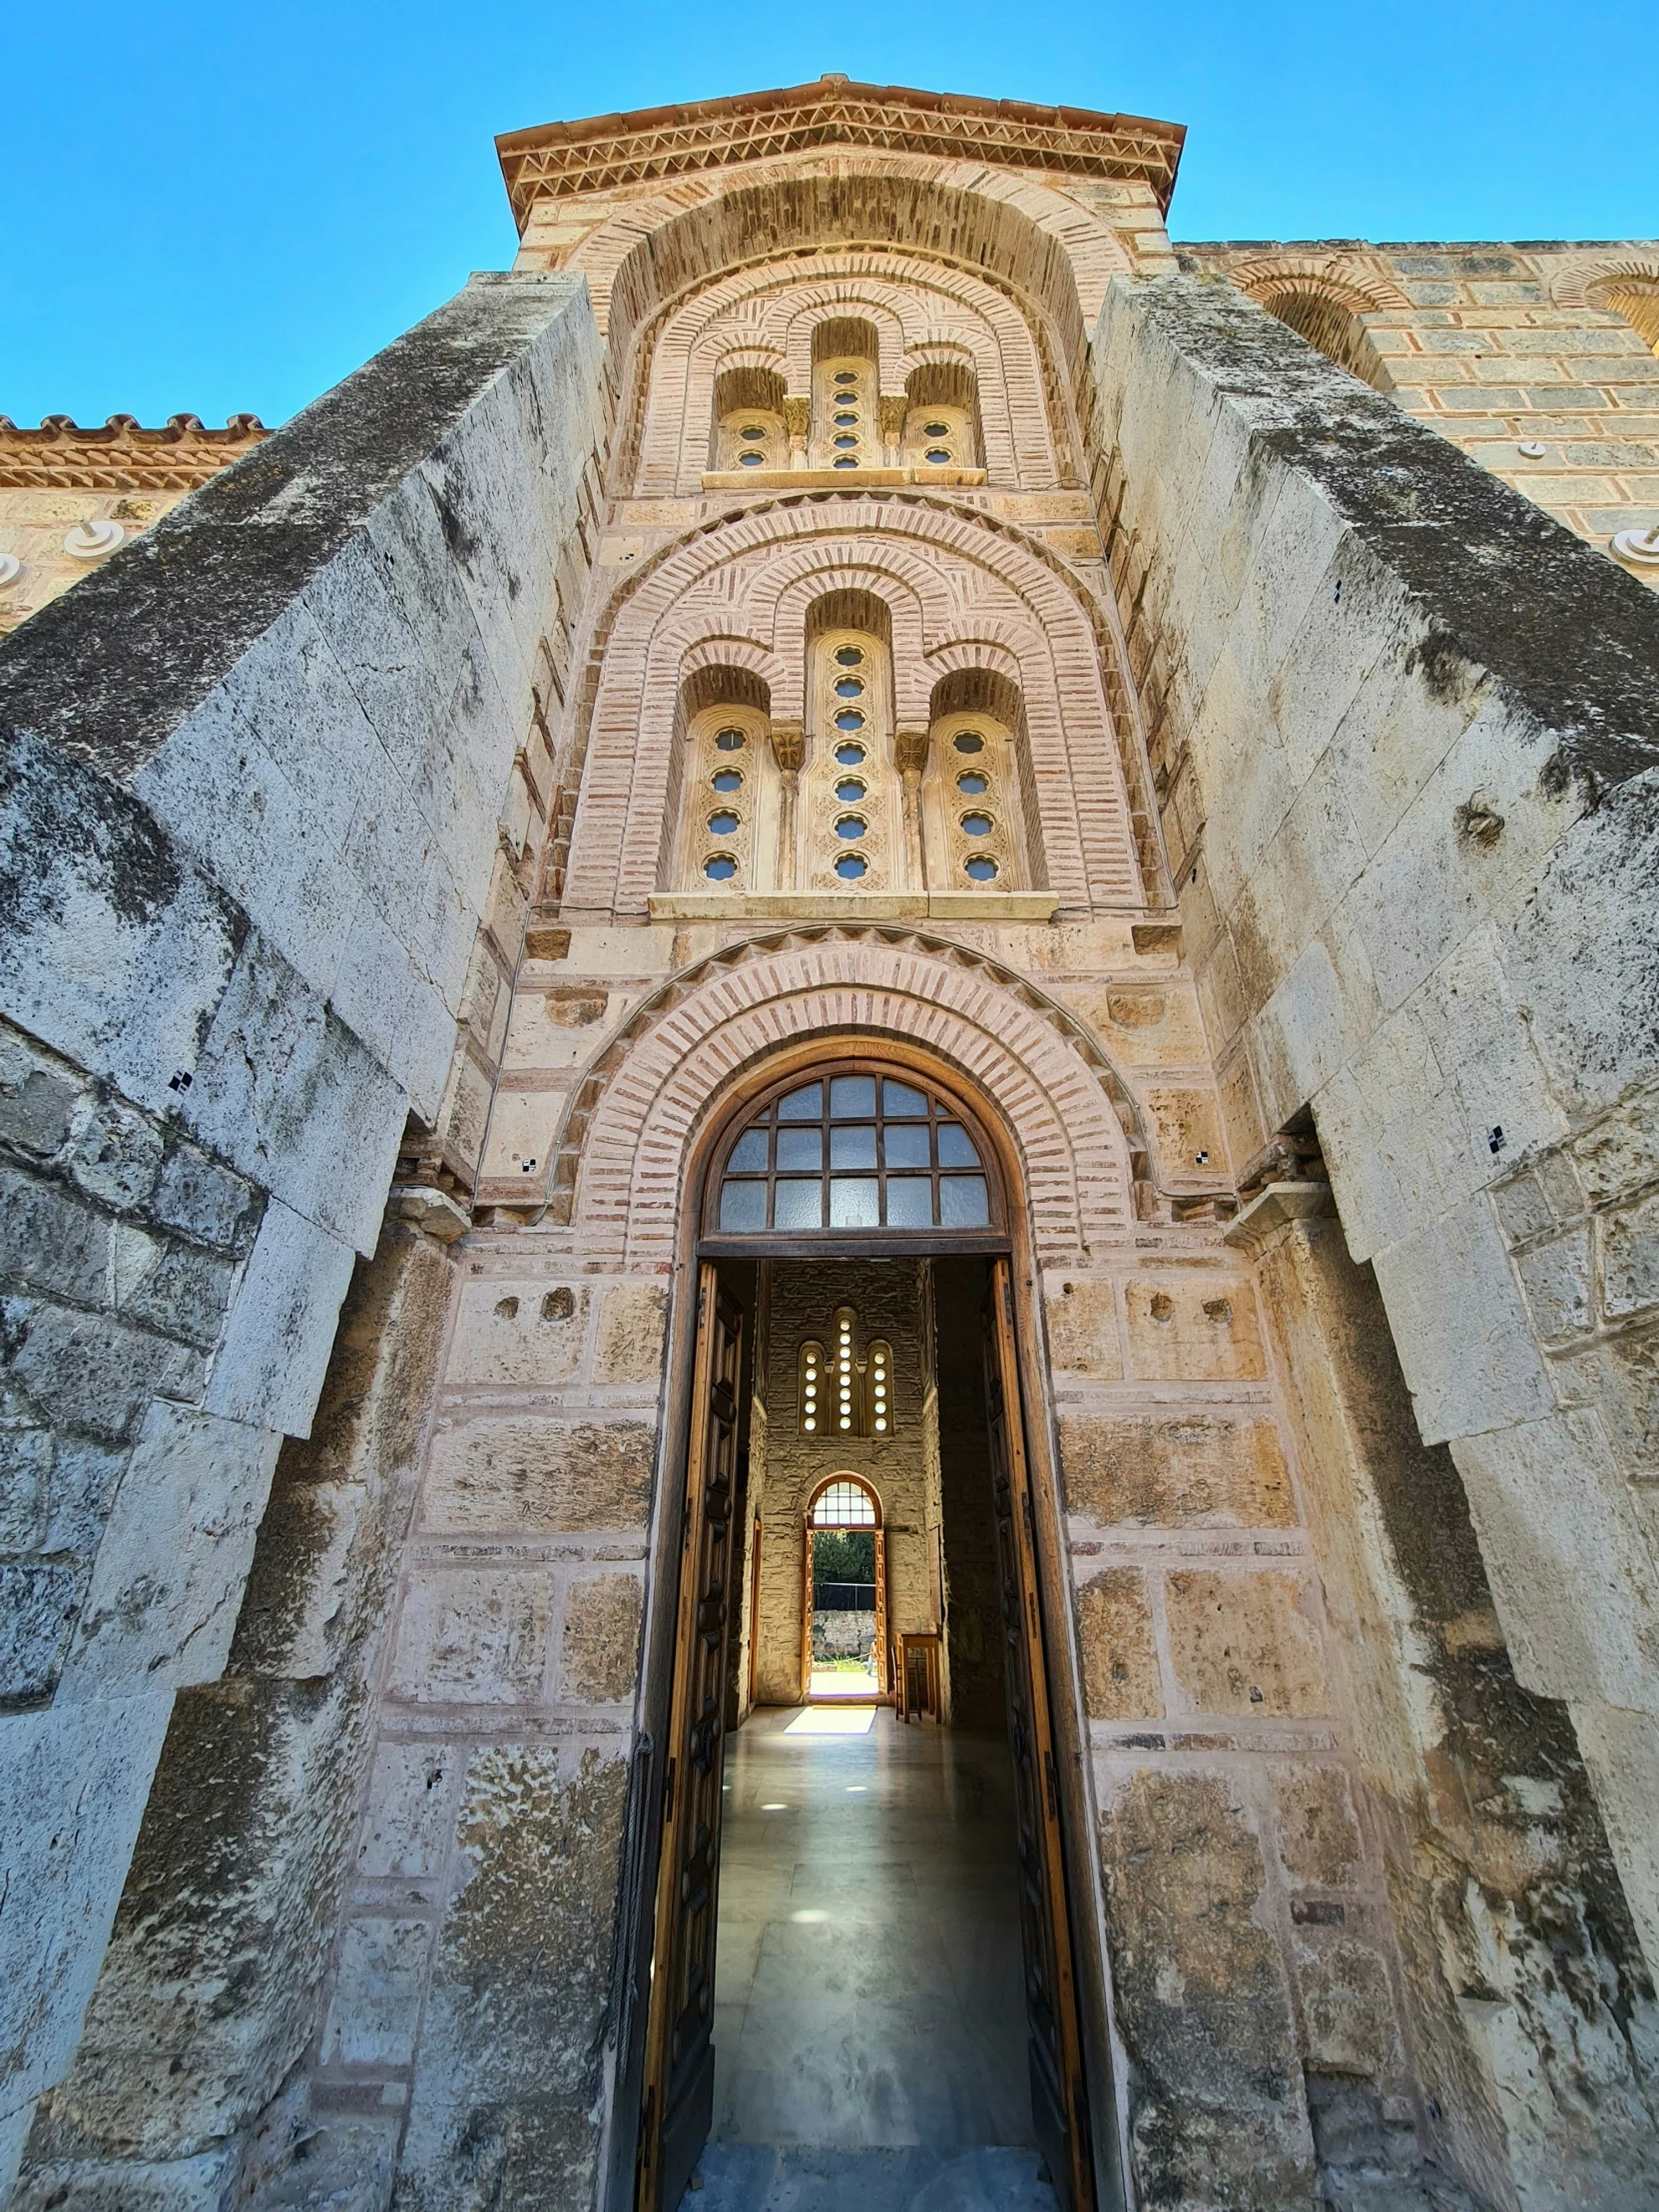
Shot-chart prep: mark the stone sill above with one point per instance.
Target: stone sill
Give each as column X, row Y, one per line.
column 854, row 905
column 833, row 480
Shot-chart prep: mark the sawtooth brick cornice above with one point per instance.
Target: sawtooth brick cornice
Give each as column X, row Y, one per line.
column 557, row 160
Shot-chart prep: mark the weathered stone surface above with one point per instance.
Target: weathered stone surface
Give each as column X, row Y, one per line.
column 169, row 1579
column 377, row 1990
column 1245, row 1643
column 1217, row 2115
column 65, row 1858
column 1319, row 1835
column 410, row 1813
column 1346, row 2005
column 529, row 1333
column 1179, row 1331
column 502, row 2109
column 600, row 1642
column 542, row 1474
column 1194, row 1468
column 633, row 1322
column 474, row 1636
column 1120, row 1658
column 1082, row 1321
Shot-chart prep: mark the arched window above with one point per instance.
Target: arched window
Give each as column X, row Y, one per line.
column 851, row 826
column 846, row 397
column 727, row 799
column 941, row 417
column 977, row 805
column 748, row 420
column 1329, row 323
column 846, row 1502
column 859, row 1150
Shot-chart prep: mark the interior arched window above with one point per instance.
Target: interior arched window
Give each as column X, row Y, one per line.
column 941, row 417
column 844, row 1502
column 856, row 1151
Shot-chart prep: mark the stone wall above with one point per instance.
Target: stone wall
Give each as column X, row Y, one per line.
column 1404, row 730
column 255, row 767
column 1518, row 354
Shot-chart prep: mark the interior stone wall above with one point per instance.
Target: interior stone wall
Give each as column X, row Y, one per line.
column 974, row 1687
column 889, row 1299
column 254, row 771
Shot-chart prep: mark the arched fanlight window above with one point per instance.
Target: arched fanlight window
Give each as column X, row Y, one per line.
column 844, row 1502
column 860, row 1150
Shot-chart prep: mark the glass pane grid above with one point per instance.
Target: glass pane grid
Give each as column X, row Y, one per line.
column 895, row 1155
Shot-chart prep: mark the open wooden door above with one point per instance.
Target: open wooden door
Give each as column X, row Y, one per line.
column 679, row 2091
column 1059, row 2103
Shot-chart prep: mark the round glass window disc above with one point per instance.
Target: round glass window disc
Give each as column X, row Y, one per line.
column 750, row 460
column 850, row 754
column 728, row 741
column 849, row 656
column 721, row 868
column 976, row 825
column 971, row 782
column 937, row 429
column 850, row 866
column 850, row 791
column 849, row 687
column 968, row 741
column 938, row 453
column 752, row 432
column 726, row 780
column 847, row 377
column 721, row 825
column 849, row 826
column 847, row 462
column 845, row 421
column 849, row 719
column 982, row 869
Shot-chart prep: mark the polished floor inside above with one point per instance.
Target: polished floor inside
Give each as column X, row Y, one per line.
column 869, row 2021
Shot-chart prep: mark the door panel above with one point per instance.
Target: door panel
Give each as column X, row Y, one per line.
column 1059, row 2103
column 680, row 2057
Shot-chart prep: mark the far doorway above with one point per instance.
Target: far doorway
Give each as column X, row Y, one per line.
column 843, row 1600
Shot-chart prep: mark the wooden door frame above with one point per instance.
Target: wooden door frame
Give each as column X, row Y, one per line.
column 1103, row 2062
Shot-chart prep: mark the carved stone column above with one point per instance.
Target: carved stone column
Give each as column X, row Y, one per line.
column 910, row 749
column 797, row 423
column 789, row 750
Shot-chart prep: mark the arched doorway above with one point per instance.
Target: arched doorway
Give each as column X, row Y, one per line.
column 844, row 1551
column 846, row 1206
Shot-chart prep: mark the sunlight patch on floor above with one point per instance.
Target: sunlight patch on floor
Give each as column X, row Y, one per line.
column 832, row 1719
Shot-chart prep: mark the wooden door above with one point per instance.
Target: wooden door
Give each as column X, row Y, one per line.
column 679, row 2050
column 1059, row 2103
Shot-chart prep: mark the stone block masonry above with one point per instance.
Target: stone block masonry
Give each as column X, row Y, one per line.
column 1410, row 726
column 255, row 768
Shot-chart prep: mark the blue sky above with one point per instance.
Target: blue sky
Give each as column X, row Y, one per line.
column 212, row 211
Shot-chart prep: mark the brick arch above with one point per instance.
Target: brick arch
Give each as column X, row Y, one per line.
column 1045, row 249
column 618, row 1171
column 1343, row 278
column 1581, row 276
column 779, row 301
column 1082, row 750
